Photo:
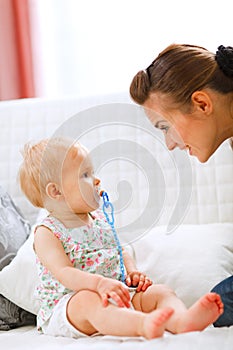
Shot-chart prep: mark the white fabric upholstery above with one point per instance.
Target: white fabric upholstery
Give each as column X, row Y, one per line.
column 133, row 164
column 32, row 119
column 191, row 261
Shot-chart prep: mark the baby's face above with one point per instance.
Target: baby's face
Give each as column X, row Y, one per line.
column 79, row 184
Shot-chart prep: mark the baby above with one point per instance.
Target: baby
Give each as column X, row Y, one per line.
column 80, row 290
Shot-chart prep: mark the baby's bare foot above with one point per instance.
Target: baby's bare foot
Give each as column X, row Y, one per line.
column 203, row 313
column 155, row 323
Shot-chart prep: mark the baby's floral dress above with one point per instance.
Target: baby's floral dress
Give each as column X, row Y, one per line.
column 91, row 248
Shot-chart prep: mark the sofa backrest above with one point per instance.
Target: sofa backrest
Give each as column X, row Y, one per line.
column 148, row 184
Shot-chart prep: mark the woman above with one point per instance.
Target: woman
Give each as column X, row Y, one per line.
column 187, row 92
column 191, row 91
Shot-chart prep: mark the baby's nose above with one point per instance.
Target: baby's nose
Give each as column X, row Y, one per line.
column 96, row 181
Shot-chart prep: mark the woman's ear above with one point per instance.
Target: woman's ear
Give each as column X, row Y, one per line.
column 53, row 191
column 202, row 101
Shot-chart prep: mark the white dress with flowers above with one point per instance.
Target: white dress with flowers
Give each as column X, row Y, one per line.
column 91, row 248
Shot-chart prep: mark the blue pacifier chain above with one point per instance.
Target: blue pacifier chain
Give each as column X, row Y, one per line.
column 107, row 205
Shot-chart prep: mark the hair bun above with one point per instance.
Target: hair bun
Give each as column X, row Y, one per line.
column 224, row 58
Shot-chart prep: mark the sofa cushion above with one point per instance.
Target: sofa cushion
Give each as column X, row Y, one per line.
column 12, row 316
column 14, row 230
column 191, row 260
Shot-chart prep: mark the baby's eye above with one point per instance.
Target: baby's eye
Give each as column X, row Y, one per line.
column 85, row 174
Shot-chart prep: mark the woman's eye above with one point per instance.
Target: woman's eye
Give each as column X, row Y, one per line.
column 164, row 128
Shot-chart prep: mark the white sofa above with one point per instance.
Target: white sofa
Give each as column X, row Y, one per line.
column 173, row 213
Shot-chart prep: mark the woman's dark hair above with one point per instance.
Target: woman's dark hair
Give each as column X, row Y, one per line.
column 179, row 70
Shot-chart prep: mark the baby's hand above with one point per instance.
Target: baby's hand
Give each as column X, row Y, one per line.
column 139, row 280
column 110, row 288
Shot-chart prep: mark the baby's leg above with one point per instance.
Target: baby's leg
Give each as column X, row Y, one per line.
column 86, row 313
column 200, row 315
column 203, row 313
column 158, row 296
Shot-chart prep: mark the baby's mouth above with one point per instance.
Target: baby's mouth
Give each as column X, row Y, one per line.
column 99, row 191
column 97, row 194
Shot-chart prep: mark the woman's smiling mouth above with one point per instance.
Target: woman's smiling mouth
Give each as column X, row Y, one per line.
column 189, row 149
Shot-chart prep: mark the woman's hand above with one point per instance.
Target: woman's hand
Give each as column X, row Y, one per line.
column 139, row 280
column 110, row 288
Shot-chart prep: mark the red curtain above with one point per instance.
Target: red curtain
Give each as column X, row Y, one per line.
column 16, row 69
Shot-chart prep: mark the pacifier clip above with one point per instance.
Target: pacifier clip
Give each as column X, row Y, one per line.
column 107, row 205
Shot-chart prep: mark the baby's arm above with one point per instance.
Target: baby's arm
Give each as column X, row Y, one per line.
column 51, row 254
column 134, row 277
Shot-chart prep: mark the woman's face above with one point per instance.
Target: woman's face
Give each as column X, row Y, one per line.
column 191, row 131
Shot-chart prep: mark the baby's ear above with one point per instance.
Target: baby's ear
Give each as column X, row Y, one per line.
column 74, row 150
column 52, row 190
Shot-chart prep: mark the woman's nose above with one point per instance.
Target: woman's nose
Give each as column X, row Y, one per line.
column 171, row 144
column 173, row 140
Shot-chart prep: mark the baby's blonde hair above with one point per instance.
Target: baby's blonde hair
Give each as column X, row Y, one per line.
column 42, row 163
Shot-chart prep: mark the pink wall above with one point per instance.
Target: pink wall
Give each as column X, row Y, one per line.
column 16, row 77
